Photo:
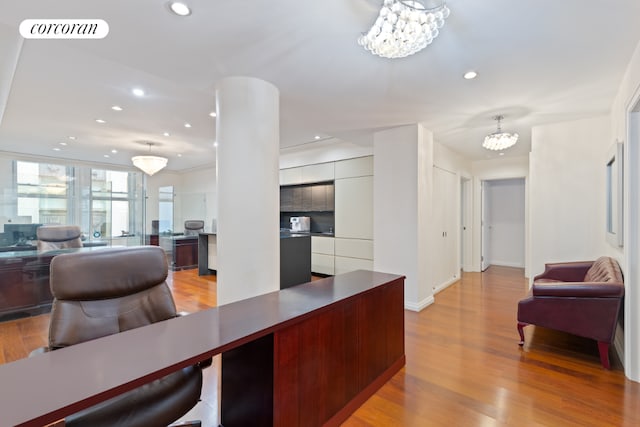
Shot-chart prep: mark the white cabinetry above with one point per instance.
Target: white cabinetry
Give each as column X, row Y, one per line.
column 307, row 174
column 317, row 173
column 290, row 176
column 354, row 207
column 353, row 254
column 352, row 248
column 322, row 255
column 354, row 215
column 361, row 166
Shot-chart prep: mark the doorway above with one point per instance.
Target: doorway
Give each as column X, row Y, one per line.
column 503, row 223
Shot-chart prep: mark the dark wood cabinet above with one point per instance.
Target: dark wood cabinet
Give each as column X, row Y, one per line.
column 182, row 251
column 307, row 198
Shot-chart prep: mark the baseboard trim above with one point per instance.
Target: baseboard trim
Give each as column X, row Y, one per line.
column 419, row 306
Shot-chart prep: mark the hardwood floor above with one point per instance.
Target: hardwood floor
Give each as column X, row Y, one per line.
column 464, row 366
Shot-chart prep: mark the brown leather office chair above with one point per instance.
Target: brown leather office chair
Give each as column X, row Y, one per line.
column 193, row 226
column 111, row 290
column 52, row 237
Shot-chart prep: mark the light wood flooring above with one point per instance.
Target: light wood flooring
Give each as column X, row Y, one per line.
column 464, row 366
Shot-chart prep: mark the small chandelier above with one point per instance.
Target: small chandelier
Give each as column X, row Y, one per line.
column 149, row 164
column 499, row 140
column 403, row 28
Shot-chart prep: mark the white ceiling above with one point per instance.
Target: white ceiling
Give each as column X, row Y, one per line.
column 538, row 62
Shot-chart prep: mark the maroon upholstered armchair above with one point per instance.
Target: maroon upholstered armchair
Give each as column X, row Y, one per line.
column 581, row 298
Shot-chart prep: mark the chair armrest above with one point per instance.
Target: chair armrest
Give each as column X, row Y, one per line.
column 578, row 290
column 565, row 271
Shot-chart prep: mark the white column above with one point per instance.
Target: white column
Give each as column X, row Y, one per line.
column 247, row 128
column 402, row 194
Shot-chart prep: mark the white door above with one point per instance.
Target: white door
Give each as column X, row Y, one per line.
column 446, row 226
column 485, row 238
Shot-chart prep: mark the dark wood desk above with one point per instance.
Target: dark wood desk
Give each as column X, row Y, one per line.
column 24, row 281
column 182, row 251
column 304, row 356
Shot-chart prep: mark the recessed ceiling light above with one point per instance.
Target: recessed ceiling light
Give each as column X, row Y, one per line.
column 470, row 75
column 114, row 151
column 106, row 155
column 100, row 121
column 187, row 125
column 166, row 134
column 116, row 108
column 73, row 138
column 179, row 8
column 137, row 91
column 215, row 144
column 56, row 149
column 213, row 114
column 179, row 155
column 502, row 154
column 316, row 137
column 63, row 143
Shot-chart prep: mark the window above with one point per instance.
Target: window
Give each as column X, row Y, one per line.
column 107, row 204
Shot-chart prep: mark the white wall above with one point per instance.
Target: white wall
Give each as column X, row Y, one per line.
column 506, row 217
column 402, row 181
column 627, row 97
column 567, row 191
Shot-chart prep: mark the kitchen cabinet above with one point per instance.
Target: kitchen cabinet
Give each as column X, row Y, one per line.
column 353, row 254
column 351, row 168
column 322, row 255
column 345, row 265
column 307, row 198
column 354, row 208
column 318, row 172
column 290, row 176
column 307, row 174
column 354, row 248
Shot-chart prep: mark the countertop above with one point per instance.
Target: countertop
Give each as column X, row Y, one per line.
column 306, row 233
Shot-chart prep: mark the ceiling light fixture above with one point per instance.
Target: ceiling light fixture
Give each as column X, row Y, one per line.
column 187, row 125
column 179, row 8
column 100, row 121
column 404, row 27
column 116, row 108
column 470, row 75
column 137, row 91
column 499, row 140
column 73, row 138
column 213, row 114
column 149, row 164
column 166, row 134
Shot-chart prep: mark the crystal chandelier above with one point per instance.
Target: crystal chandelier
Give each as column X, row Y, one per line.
column 403, row 28
column 149, row 164
column 499, row 140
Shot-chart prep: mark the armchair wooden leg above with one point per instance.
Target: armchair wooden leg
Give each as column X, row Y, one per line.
column 603, row 348
column 521, row 332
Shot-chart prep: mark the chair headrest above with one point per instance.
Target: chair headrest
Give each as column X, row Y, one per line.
column 58, row 233
column 107, row 272
column 194, row 224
